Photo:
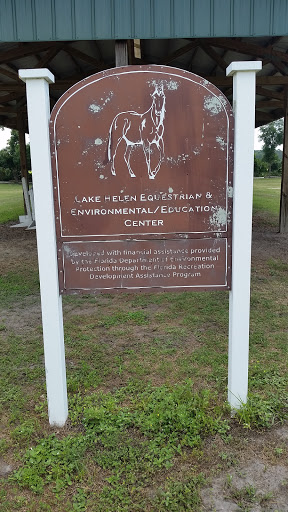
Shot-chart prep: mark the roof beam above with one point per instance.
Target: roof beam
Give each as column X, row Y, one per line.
column 260, row 80
column 8, row 110
column 49, row 56
column 83, row 56
column 10, row 74
column 269, row 94
column 264, row 117
column 214, row 56
column 246, row 48
column 8, row 122
column 24, row 50
column 282, row 68
column 11, row 97
column 269, row 104
column 181, row 51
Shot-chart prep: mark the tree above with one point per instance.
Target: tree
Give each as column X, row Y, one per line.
column 272, row 136
column 10, row 168
column 260, row 167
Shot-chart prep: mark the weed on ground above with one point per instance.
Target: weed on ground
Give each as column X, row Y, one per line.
column 149, row 427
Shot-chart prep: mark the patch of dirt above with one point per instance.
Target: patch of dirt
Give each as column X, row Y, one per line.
column 18, row 248
column 267, row 243
column 22, row 321
column 256, row 482
column 253, row 485
column 5, row 469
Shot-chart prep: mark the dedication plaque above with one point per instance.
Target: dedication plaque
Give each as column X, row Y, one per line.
column 142, row 162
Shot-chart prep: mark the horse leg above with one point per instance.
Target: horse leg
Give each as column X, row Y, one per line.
column 160, row 146
column 118, row 125
column 146, row 150
column 113, row 171
column 127, row 155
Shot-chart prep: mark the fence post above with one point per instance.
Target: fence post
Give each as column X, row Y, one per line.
column 244, row 78
column 37, row 90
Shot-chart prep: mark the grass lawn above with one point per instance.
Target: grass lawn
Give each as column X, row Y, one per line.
column 11, row 202
column 149, row 425
column 266, row 198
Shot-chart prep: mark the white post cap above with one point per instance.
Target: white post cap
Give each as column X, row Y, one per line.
column 246, row 65
column 26, row 74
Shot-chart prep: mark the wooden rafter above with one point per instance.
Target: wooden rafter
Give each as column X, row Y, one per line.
column 49, row 56
column 99, row 55
column 260, row 80
column 7, row 110
column 24, row 51
column 247, row 48
column 179, row 52
column 10, row 74
column 261, row 91
column 265, row 117
column 83, row 56
column 270, row 104
column 8, row 121
column 215, row 56
column 282, row 68
column 76, row 63
column 10, row 97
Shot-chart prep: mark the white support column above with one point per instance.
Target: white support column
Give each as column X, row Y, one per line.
column 27, row 200
column 37, row 90
column 244, row 76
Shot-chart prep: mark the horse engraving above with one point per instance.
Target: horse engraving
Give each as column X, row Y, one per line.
column 146, row 130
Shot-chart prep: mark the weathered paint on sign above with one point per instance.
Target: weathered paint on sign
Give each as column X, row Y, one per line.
column 142, row 169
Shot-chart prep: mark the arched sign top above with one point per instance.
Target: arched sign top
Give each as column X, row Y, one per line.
column 143, row 153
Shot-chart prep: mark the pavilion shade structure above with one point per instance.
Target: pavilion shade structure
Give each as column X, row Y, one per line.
column 71, row 61
column 75, row 39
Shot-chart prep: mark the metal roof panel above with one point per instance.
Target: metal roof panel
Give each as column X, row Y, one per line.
column 280, row 17
column 202, row 18
column 223, row 21
column 25, row 20
column 7, row 21
column 64, row 14
column 163, row 19
column 263, row 24
column 182, row 24
column 103, row 23
column 42, row 20
column 124, row 19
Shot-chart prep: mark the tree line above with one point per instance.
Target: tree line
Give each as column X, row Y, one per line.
column 266, row 161
column 10, row 167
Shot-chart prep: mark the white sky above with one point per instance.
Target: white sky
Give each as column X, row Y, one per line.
column 4, row 136
column 257, row 143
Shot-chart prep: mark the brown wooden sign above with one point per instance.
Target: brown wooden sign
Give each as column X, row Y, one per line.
column 142, row 174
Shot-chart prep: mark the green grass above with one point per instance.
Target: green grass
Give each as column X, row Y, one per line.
column 266, row 197
column 11, row 202
column 144, row 399
column 147, row 387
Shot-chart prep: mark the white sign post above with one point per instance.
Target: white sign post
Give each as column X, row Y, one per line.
column 37, row 90
column 244, row 78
